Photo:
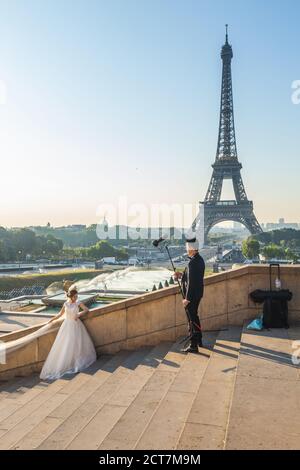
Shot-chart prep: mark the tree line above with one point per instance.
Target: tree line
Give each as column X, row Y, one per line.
column 26, row 245
column 21, row 244
column 280, row 244
column 101, row 249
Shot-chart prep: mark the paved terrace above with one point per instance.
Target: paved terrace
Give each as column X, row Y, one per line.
column 11, row 322
column 241, row 392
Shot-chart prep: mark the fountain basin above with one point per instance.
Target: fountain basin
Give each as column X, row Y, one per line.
column 58, row 300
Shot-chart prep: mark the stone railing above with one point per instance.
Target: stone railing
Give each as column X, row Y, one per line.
column 158, row 316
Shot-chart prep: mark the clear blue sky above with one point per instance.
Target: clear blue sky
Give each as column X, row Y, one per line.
column 121, row 97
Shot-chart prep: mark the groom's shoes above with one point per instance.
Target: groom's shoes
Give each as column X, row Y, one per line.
column 190, row 349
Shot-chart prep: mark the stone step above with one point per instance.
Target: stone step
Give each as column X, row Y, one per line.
column 102, row 371
column 18, row 387
column 12, row 403
column 9, row 405
column 96, row 430
column 166, row 424
column 27, row 416
column 206, row 423
column 134, row 420
column 68, row 429
column 266, row 395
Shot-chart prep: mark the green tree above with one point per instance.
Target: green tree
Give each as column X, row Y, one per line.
column 251, row 248
column 104, row 249
column 291, row 255
column 273, row 251
column 25, row 240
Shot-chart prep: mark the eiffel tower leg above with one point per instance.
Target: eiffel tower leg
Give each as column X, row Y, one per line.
column 214, row 214
column 208, row 224
column 252, row 224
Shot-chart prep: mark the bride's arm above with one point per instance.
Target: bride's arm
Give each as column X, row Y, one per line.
column 84, row 309
column 60, row 314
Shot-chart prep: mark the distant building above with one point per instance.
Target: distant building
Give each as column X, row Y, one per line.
column 281, row 224
column 234, row 255
column 71, row 227
column 77, row 227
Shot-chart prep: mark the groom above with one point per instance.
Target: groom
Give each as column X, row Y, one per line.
column 193, row 288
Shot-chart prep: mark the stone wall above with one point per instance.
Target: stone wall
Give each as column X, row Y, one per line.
column 159, row 316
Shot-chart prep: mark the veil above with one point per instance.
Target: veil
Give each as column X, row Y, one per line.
column 11, row 346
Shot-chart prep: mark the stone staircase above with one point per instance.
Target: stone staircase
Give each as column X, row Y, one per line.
column 242, row 391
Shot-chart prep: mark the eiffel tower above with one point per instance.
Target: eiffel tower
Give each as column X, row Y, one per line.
column 226, row 166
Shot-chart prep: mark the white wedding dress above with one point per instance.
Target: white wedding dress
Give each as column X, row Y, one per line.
column 72, row 350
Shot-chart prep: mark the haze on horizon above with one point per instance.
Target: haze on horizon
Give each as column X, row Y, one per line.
column 101, row 99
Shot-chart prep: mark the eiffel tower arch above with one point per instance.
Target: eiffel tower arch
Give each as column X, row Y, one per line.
column 226, row 166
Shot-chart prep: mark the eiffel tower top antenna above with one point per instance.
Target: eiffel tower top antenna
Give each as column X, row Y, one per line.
column 226, row 26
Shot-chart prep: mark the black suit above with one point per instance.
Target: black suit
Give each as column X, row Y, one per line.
column 193, row 288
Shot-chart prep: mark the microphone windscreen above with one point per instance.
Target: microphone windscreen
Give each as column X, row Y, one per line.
column 157, row 242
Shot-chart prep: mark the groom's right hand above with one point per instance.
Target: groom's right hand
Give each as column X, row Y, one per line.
column 177, row 275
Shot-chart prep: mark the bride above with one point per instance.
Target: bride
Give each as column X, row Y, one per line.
column 72, row 350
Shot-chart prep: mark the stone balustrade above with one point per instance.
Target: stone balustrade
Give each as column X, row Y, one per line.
column 158, row 316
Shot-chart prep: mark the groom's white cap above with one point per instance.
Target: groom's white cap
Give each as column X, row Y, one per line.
column 192, row 244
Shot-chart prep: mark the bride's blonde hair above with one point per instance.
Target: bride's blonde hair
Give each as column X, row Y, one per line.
column 72, row 292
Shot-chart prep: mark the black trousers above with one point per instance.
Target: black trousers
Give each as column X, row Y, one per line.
column 194, row 322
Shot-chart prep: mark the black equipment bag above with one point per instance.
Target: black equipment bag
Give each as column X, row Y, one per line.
column 275, row 312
